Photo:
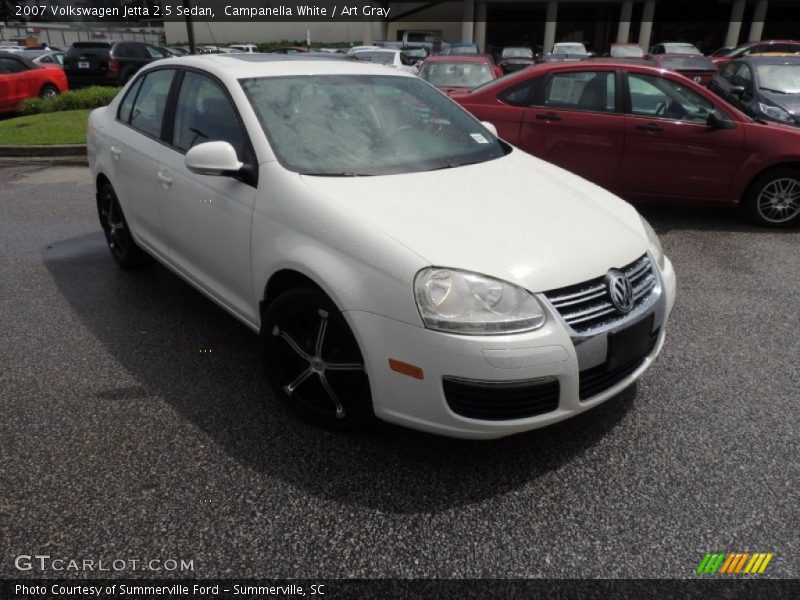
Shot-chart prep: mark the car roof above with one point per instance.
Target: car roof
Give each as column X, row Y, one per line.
column 786, row 59
column 467, row 58
column 21, row 57
column 242, row 66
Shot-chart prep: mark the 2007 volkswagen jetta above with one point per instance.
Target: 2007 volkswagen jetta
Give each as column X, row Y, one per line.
column 397, row 259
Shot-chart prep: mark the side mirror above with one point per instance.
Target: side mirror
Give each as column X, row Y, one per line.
column 714, row 121
column 490, row 126
column 213, row 158
column 499, row 72
column 738, row 90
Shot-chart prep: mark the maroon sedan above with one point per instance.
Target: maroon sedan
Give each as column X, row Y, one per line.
column 458, row 73
column 646, row 134
column 699, row 69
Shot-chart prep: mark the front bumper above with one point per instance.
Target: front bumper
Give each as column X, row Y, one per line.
column 544, row 355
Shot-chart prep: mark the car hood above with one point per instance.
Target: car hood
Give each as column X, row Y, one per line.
column 790, row 102
column 516, row 218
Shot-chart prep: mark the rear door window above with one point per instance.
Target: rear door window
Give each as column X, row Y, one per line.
column 585, row 90
column 147, row 112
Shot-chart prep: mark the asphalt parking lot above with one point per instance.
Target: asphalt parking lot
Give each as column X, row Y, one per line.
column 135, row 423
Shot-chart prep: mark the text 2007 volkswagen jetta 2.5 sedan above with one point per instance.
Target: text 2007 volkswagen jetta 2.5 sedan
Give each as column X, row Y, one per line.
column 397, row 259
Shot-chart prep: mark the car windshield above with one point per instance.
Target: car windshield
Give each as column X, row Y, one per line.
column 517, row 53
column 569, row 49
column 779, row 78
column 631, row 51
column 681, row 49
column 456, row 74
column 688, row 63
column 366, row 125
column 383, row 58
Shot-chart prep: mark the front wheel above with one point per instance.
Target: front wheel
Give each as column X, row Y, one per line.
column 773, row 200
column 118, row 236
column 313, row 362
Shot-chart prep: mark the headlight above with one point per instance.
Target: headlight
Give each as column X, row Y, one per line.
column 462, row 302
column 775, row 112
column 655, row 244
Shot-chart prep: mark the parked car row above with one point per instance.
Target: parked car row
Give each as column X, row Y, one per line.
column 22, row 78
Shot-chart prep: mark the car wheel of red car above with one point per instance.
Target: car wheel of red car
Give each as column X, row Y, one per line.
column 48, row 91
column 773, row 200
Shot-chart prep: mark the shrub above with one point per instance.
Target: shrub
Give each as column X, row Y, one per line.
column 89, row 97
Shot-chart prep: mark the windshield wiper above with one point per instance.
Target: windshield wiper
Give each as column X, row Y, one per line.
column 337, row 174
column 455, row 165
column 766, row 89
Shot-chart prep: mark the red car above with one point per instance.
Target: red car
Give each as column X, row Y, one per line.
column 780, row 46
column 699, row 69
column 21, row 78
column 458, row 73
column 646, row 134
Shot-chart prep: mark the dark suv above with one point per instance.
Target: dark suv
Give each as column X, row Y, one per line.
column 107, row 63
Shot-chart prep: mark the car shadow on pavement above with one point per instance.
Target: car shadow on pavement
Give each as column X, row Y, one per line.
column 184, row 350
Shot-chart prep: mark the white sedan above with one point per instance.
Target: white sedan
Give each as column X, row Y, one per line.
column 395, row 257
column 387, row 56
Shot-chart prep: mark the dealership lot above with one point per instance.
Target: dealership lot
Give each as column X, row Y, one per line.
column 135, row 423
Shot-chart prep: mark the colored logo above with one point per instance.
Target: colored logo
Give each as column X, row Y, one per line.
column 733, row 563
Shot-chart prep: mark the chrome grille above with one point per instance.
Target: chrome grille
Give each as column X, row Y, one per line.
column 588, row 306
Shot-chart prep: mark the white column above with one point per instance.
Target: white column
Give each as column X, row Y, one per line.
column 735, row 24
column 467, row 20
column 480, row 26
column 367, row 33
column 550, row 26
column 646, row 28
column 624, row 30
column 757, row 26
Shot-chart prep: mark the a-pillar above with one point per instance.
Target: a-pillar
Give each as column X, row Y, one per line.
column 550, row 26
column 646, row 27
column 735, row 24
column 624, row 30
column 757, row 26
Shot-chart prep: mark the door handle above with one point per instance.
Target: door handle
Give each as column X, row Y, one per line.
column 650, row 127
column 115, row 152
column 548, row 117
column 165, row 180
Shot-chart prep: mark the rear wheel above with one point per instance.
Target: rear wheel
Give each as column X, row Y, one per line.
column 48, row 91
column 120, row 241
column 313, row 362
column 773, row 200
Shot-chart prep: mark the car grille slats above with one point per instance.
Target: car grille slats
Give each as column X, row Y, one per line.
column 587, row 306
column 598, row 379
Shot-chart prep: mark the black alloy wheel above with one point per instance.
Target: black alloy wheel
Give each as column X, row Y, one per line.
column 313, row 362
column 120, row 241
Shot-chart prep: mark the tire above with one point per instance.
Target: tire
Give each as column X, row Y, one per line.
column 773, row 199
column 48, row 91
column 118, row 236
column 312, row 360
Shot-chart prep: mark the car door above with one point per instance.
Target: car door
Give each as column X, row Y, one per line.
column 136, row 142
column 670, row 150
column 207, row 218
column 15, row 83
column 573, row 123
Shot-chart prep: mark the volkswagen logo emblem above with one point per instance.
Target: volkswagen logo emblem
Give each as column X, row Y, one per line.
column 620, row 290
column 698, row 79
